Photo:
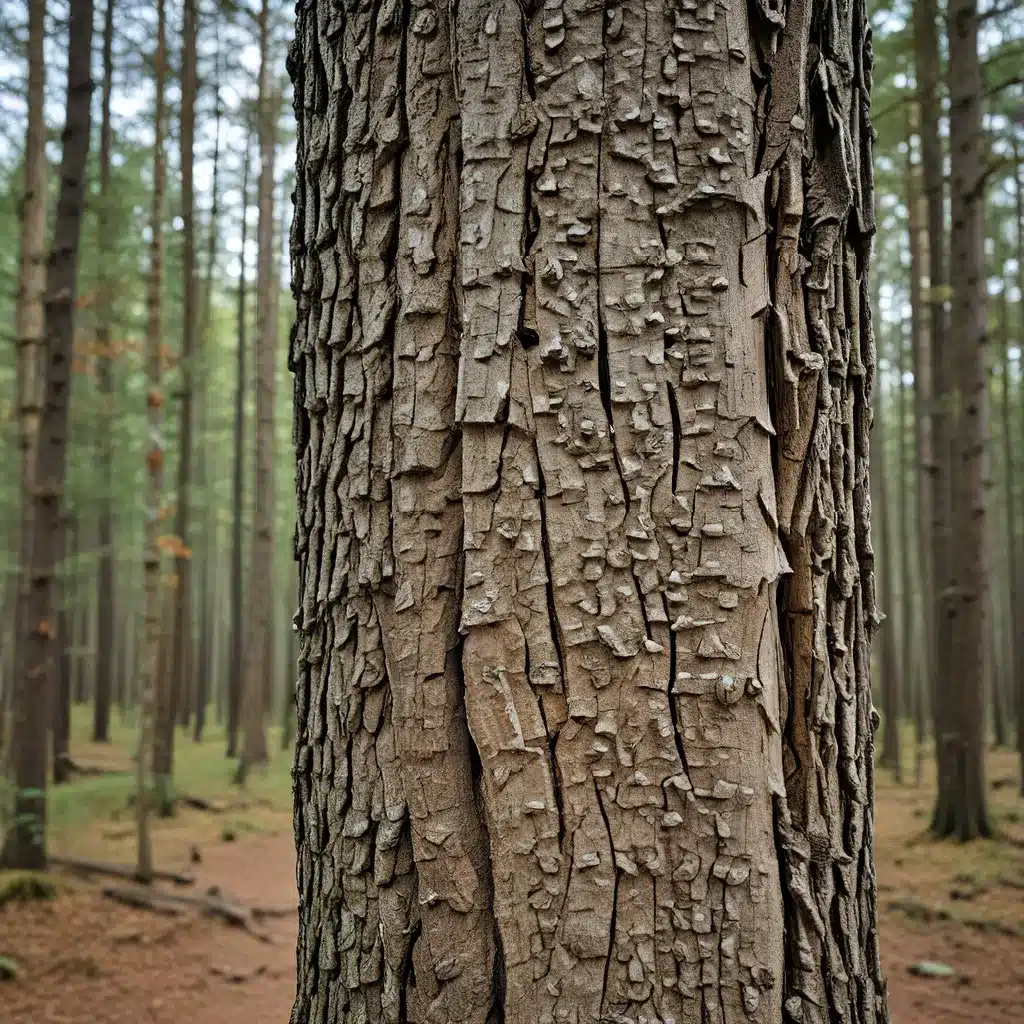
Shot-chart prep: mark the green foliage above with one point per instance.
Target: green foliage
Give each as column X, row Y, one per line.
column 25, row 887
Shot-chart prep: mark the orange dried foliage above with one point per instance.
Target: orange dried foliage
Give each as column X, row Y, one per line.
column 172, row 545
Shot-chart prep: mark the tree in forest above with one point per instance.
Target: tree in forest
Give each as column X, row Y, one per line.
column 1018, row 570
column 25, row 844
column 204, row 654
column 236, row 664
column 583, row 366
column 890, row 664
column 29, row 319
column 177, row 681
column 961, row 803
column 259, row 649
column 149, row 682
column 935, row 471
column 105, row 577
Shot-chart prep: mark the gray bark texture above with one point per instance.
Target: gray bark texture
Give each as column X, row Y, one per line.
column 583, row 363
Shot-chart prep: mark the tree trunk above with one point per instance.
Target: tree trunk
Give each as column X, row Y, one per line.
column 33, row 678
column 926, row 41
column 175, row 685
column 888, row 660
column 259, row 650
column 1011, row 646
column 204, row 661
column 106, row 583
column 30, row 323
column 923, row 399
column 961, row 804
column 560, row 695
column 1018, row 570
column 906, row 683
column 236, row 663
column 152, row 604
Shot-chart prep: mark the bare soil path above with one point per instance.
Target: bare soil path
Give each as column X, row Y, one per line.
column 87, row 960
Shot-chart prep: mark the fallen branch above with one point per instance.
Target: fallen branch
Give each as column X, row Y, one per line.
column 99, row 867
column 71, row 765
column 212, row 905
column 199, row 803
column 143, row 899
column 237, row 975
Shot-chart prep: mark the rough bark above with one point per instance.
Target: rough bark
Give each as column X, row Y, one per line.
column 152, row 605
column 236, row 661
column 30, row 324
column 961, row 805
column 259, row 650
column 105, row 578
column 25, row 845
column 582, row 681
column 888, row 660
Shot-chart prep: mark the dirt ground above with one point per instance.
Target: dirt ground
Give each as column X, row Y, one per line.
column 86, row 960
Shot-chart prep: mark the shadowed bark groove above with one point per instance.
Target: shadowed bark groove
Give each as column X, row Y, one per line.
column 583, row 367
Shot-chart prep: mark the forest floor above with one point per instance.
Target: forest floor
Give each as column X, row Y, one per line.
column 80, row 958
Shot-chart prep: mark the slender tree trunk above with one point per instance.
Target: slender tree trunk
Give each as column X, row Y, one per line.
column 926, row 41
column 149, row 682
column 205, row 662
column 259, row 651
column 1018, row 571
column 888, row 654
column 106, row 582
column 32, row 697
column 583, row 679
column 906, row 688
column 1012, row 647
column 236, row 662
column 176, row 683
column 961, row 804
column 30, row 323
column 923, row 402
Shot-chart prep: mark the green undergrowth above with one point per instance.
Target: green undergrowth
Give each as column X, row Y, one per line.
column 200, row 770
column 25, row 887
